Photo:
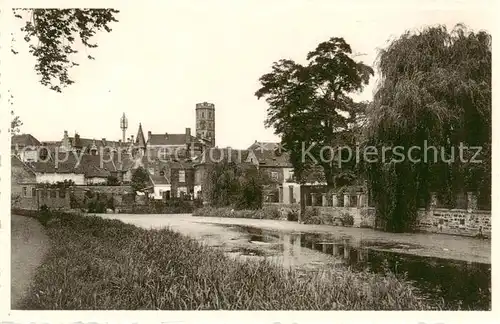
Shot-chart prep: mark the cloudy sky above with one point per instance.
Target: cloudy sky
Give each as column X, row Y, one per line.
column 159, row 61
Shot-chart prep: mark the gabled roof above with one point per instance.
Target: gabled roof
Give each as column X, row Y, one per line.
column 24, row 140
column 271, row 154
column 64, row 164
column 170, row 139
column 16, row 162
column 159, row 180
column 272, row 158
column 264, row 146
column 140, row 141
column 89, row 142
column 215, row 155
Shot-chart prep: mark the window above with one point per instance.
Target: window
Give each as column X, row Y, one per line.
column 274, row 176
column 202, row 114
column 182, row 176
column 53, row 194
column 62, row 193
column 209, row 114
column 25, row 192
column 44, row 193
column 33, row 192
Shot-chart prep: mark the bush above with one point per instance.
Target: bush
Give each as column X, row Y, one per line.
column 293, row 215
column 228, row 212
column 312, row 216
column 347, row 219
column 44, row 215
column 105, row 264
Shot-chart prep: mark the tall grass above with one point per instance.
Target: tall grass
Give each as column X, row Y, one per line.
column 105, row 264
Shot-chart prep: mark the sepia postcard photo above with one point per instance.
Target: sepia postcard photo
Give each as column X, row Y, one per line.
column 248, row 156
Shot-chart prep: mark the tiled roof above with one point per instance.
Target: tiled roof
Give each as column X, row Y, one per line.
column 270, row 154
column 159, row 180
column 170, row 139
column 52, row 145
column 273, row 158
column 16, row 162
column 24, row 140
column 264, row 146
column 215, row 155
column 88, row 142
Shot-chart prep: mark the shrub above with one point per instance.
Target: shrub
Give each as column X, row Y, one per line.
column 347, row 219
column 293, row 215
column 312, row 216
column 44, row 215
column 229, row 212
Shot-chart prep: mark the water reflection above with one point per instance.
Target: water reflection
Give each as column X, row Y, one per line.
column 456, row 282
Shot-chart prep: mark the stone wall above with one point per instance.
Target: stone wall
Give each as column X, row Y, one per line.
column 455, row 221
column 436, row 220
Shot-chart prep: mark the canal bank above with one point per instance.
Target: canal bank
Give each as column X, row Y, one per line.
column 454, row 269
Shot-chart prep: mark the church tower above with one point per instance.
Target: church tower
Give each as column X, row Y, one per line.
column 205, row 121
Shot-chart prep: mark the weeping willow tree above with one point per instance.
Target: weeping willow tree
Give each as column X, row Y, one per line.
column 434, row 92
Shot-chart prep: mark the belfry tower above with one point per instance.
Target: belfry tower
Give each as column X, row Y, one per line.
column 123, row 126
column 205, row 121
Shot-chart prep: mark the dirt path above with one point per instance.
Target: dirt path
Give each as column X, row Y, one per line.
column 29, row 243
column 432, row 245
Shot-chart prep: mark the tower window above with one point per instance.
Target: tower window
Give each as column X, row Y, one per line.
column 209, row 114
column 202, row 114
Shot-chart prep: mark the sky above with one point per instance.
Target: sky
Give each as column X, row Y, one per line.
column 159, row 61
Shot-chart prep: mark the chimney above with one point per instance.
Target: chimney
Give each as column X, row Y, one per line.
column 149, row 136
column 132, row 139
column 188, row 135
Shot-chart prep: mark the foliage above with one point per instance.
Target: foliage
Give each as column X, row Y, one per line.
column 59, row 184
column 228, row 212
column 112, row 181
column 140, row 179
column 312, row 216
column 435, row 90
column 310, row 107
column 235, row 185
column 51, row 34
column 347, row 219
column 292, row 215
column 44, row 215
column 250, row 195
column 97, row 263
column 15, row 123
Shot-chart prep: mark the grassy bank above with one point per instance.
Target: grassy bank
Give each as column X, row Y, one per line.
column 106, row 264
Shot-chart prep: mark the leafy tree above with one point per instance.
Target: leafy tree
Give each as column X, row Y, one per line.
column 51, row 34
column 310, row 108
column 235, row 185
column 140, row 179
column 15, row 122
column 436, row 88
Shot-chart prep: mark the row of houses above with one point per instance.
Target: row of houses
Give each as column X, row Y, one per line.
column 184, row 176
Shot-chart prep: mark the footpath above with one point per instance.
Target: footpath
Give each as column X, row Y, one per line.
column 29, row 244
